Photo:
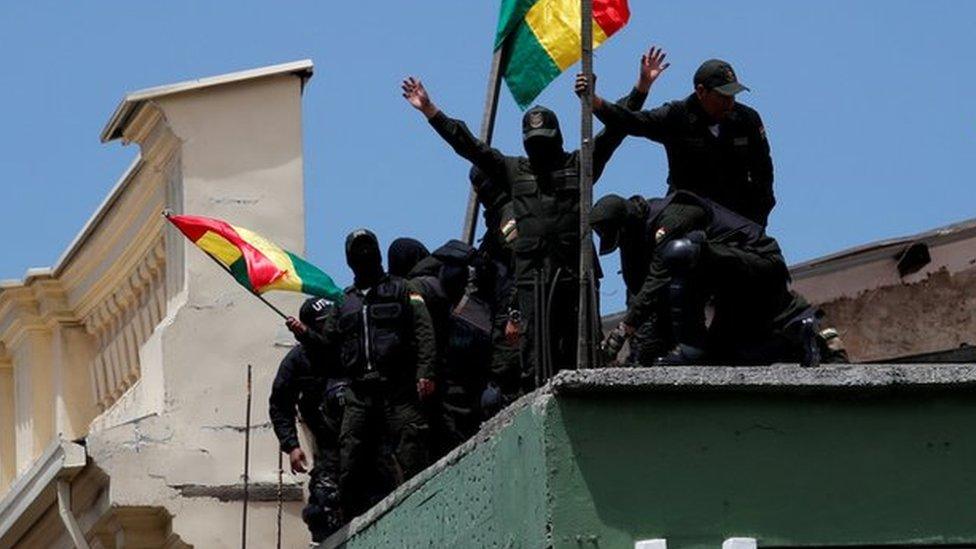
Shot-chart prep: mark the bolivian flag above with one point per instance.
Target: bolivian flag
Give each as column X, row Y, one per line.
column 257, row 263
column 542, row 39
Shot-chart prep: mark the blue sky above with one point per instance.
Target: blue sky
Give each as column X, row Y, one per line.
column 868, row 106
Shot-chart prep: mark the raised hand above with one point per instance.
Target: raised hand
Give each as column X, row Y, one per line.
column 582, row 87
column 296, row 326
column 651, row 66
column 415, row 94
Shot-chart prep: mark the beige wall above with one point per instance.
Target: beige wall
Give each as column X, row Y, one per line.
column 139, row 343
column 8, row 453
column 881, row 315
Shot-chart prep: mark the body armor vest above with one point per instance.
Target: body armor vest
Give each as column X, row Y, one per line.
column 375, row 329
column 723, row 225
column 546, row 208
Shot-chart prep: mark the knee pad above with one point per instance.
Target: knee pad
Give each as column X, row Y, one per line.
column 324, row 493
column 681, row 255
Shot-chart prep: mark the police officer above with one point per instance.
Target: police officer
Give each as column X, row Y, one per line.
column 703, row 250
column 303, row 383
column 386, row 347
column 442, row 280
column 544, row 189
column 404, row 254
column 716, row 147
column 622, row 223
column 496, row 288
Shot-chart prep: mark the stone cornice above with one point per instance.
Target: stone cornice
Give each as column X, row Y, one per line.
column 149, row 128
column 19, row 313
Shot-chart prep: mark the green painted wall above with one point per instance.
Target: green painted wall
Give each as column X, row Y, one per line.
column 787, row 469
column 602, row 470
column 493, row 497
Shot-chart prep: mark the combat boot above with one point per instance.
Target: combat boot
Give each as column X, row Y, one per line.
column 804, row 333
column 682, row 355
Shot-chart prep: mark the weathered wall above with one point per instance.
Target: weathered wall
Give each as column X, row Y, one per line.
column 240, row 160
column 933, row 314
column 882, row 313
column 493, row 496
column 790, row 456
column 787, row 469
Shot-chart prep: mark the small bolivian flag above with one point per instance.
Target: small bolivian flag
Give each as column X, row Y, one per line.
column 255, row 262
column 542, row 39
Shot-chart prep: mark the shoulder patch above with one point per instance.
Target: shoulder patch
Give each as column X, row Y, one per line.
column 659, row 235
column 416, row 298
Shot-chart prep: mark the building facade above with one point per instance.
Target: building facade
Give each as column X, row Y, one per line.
column 122, row 367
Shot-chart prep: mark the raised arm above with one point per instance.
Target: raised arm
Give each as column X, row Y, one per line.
column 625, row 118
column 454, row 131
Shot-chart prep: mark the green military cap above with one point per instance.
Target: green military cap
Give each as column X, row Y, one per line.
column 718, row 75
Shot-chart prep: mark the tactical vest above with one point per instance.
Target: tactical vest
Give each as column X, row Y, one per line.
column 723, row 224
column 546, row 209
column 375, row 330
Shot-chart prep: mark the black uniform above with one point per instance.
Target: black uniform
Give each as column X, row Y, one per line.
column 303, row 384
column 495, row 289
column 739, row 266
column 623, row 223
column 544, row 190
column 733, row 169
column 442, row 280
column 386, row 343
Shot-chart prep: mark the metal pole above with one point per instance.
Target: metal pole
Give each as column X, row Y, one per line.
column 247, row 454
column 584, row 352
column 487, row 129
column 278, row 530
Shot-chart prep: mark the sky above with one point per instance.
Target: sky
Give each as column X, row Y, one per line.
column 868, row 104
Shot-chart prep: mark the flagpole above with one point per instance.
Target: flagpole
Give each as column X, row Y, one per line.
column 487, row 129
column 247, row 454
column 278, row 529
column 584, row 354
column 167, row 213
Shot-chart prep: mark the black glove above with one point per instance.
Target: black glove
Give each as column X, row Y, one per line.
column 612, row 344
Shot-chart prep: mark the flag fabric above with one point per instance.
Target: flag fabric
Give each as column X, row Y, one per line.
column 255, row 262
column 542, row 39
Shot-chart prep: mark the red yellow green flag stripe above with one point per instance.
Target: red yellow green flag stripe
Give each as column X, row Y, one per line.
column 255, row 262
column 542, row 39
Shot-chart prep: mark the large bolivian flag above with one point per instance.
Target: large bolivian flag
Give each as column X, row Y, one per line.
column 257, row 263
column 542, row 39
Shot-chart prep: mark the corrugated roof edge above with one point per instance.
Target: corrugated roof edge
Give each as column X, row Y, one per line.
column 131, row 101
column 875, row 250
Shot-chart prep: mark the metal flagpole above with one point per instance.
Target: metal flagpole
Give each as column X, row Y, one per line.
column 487, row 129
column 584, row 354
column 247, row 453
column 280, row 472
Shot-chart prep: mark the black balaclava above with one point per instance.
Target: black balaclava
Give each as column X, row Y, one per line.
column 363, row 257
column 541, row 136
column 314, row 312
column 404, row 254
